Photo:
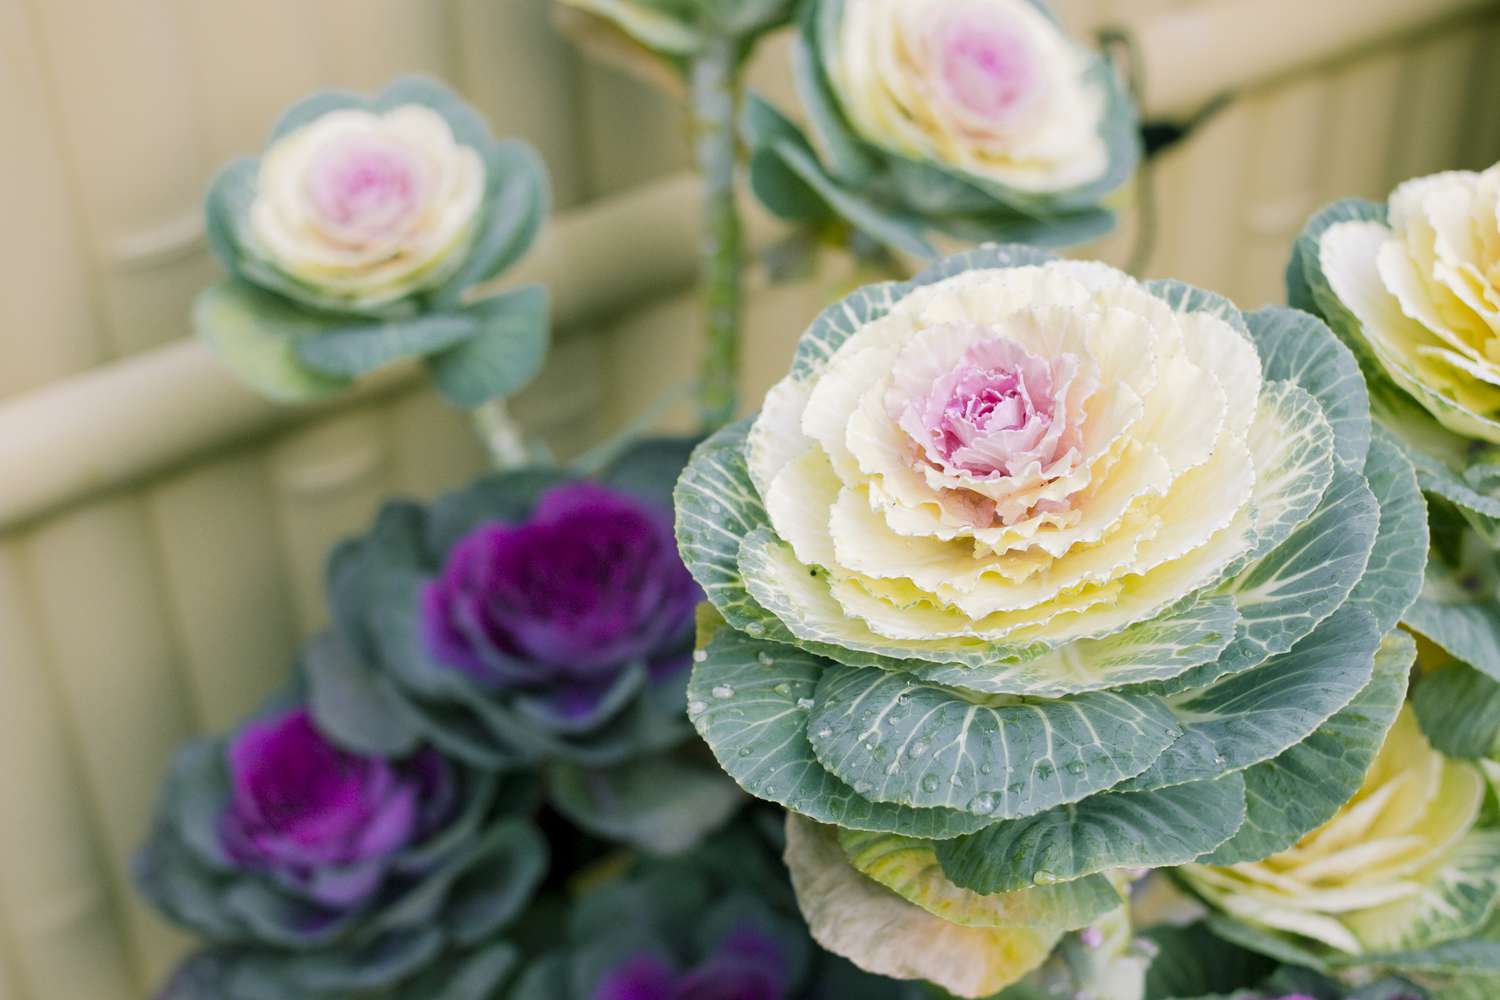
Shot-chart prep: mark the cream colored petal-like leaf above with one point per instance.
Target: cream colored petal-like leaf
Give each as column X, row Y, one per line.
column 877, row 930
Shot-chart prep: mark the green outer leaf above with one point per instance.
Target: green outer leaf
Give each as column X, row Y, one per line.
column 1393, row 578
column 783, row 192
column 503, row 356
column 313, row 107
column 1479, row 954
column 518, row 199
column 1459, row 710
column 1008, row 227
column 1185, row 298
column 717, row 506
column 351, row 351
column 468, row 125
column 1299, row 347
column 1284, row 699
column 1250, row 717
column 662, row 804
column 1308, row 289
column 777, row 186
column 850, row 160
column 910, row 869
column 1286, row 593
column 1282, row 947
column 349, row 705
column 751, row 710
column 659, row 30
column 897, row 228
column 1192, row 962
column 1154, row 829
column 1465, row 622
column 1303, row 787
column 896, row 739
column 229, row 197
column 1292, row 444
column 1439, row 456
column 255, row 335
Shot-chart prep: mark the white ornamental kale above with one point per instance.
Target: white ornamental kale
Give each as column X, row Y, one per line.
column 356, row 239
column 978, row 119
column 1029, row 571
column 1413, row 287
column 1403, row 880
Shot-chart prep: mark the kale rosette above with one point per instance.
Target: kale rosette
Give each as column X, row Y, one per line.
column 1403, row 881
column 1029, row 571
column 536, row 618
column 356, row 238
column 1412, row 285
column 313, row 871
column 975, row 119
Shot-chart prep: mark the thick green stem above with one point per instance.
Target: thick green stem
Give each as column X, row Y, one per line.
column 500, row 434
column 715, row 90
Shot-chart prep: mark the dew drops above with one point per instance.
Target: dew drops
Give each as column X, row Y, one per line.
column 723, row 691
column 1075, row 768
column 699, row 655
column 1044, row 877
column 782, row 689
column 930, row 783
column 765, row 659
column 806, row 704
column 695, row 708
column 755, row 628
column 982, row 804
column 745, row 751
column 824, row 733
column 918, row 748
column 986, row 768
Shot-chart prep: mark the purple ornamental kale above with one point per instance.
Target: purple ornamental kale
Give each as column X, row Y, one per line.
column 748, row 965
column 321, row 818
column 587, row 585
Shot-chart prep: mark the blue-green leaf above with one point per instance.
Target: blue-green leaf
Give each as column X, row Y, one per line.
column 750, row 701
column 1302, row 788
column 503, row 356
column 896, row 739
column 257, row 336
column 1168, row 826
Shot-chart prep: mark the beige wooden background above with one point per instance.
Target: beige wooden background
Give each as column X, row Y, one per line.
column 162, row 532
